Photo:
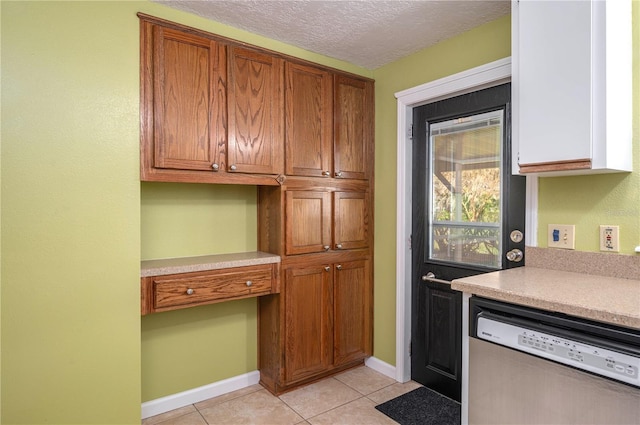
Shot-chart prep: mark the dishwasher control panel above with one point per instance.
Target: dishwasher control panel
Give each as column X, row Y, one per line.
column 598, row 360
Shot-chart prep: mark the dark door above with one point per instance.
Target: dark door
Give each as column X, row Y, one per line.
column 466, row 207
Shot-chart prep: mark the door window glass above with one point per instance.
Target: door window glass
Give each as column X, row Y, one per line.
column 465, row 158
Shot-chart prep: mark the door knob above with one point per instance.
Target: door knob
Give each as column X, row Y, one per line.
column 431, row 277
column 515, row 255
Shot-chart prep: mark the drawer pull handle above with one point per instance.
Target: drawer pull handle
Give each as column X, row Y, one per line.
column 249, row 283
column 327, row 268
column 326, row 247
column 215, row 166
column 339, row 267
column 338, row 173
column 190, row 291
column 326, row 173
column 339, row 246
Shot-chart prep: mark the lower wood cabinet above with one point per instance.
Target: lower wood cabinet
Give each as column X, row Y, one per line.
column 182, row 290
column 308, row 312
column 321, row 322
column 352, row 310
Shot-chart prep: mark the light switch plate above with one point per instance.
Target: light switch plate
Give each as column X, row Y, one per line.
column 561, row 236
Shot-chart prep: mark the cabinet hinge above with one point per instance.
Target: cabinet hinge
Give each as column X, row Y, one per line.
column 410, row 348
column 410, row 242
column 410, row 132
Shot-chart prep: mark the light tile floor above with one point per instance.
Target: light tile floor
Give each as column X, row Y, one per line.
column 348, row 398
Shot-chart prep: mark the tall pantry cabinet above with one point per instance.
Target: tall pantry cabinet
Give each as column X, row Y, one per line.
column 320, row 222
column 214, row 110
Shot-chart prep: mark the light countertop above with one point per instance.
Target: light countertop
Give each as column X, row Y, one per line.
column 206, row 262
column 605, row 299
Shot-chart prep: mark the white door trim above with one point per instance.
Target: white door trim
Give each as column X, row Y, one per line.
column 488, row 75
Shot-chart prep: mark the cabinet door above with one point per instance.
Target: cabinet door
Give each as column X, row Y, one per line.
column 307, row 222
column 554, row 73
column 308, row 333
column 353, row 134
column 351, row 220
column 188, row 105
column 352, row 311
column 255, row 112
column 308, row 123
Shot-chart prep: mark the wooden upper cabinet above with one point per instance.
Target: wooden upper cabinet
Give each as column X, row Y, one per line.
column 255, row 105
column 309, row 121
column 317, row 221
column 185, row 118
column 188, row 100
column 308, row 222
column 353, row 127
column 351, row 220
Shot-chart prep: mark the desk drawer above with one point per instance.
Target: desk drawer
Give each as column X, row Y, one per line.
column 182, row 290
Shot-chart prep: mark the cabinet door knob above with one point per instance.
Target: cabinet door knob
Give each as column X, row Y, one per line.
column 339, row 267
column 338, row 173
column 326, row 173
column 190, row 291
column 339, row 246
column 327, row 268
column 215, row 166
column 233, row 168
column 326, row 247
column 249, row 283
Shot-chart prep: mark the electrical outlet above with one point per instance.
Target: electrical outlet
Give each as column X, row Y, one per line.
column 609, row 238
column 561, row 236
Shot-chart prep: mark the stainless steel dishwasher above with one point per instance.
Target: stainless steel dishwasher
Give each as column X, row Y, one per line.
column 529, row 366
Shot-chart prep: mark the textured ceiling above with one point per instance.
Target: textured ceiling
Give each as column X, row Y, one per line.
column 368, row 33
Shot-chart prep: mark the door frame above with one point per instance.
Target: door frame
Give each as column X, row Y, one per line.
column 488, row 75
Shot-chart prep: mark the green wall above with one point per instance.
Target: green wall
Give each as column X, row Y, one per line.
column 481, row 45
column 70, row 214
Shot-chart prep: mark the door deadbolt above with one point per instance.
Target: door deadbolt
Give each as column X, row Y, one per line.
column 516, row 236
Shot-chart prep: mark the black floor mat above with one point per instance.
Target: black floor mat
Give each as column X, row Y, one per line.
column 422, row 407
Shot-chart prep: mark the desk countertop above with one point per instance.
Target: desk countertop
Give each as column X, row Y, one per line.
column 205, row 262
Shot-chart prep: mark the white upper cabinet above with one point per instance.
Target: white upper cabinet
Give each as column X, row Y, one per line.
column 571, row 82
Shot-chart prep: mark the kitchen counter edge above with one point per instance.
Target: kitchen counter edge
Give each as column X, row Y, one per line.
column 604, row 299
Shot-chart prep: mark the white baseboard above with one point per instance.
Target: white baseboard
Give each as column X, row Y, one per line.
column 195, row 395
column 380, row 366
